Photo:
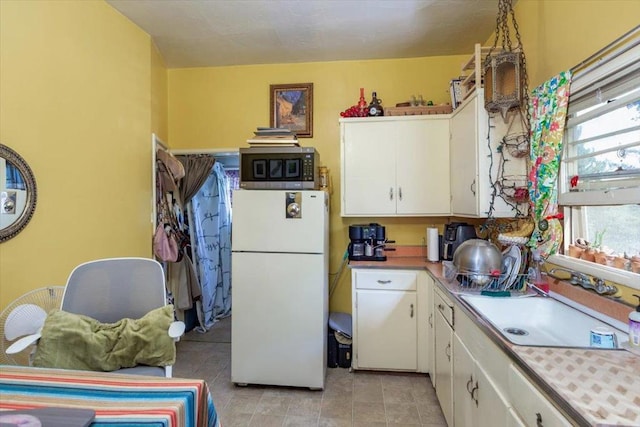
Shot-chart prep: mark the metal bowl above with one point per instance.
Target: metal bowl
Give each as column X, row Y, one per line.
column 479, row 259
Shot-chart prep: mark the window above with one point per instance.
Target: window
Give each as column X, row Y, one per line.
column 600, row 169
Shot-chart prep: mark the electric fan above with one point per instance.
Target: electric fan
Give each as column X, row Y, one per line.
column 25, row 316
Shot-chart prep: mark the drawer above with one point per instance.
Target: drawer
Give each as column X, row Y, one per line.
column 444, row 306
column 531, row 405
column 386, row 279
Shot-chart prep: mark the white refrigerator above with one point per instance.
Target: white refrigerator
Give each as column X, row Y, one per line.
column 280, row 268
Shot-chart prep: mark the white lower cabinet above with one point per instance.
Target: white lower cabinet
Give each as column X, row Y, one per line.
column 430, row 327
column 532, row 407
column 385, row 319
column 477, row 402
column 443, row 320
column 476, row 382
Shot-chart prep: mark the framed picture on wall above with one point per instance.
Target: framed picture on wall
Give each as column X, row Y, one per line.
column 292, row 108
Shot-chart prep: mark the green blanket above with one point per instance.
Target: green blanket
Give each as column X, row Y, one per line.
column 71, row 341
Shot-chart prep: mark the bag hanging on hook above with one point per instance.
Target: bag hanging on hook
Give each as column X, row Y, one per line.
column 165, row 244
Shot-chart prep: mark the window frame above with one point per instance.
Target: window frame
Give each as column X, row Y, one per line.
column 606, row 65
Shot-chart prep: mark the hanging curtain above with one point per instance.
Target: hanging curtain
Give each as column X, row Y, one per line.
column 548, row 109
column 211, row 211
column 14, row 178
column 197, row 168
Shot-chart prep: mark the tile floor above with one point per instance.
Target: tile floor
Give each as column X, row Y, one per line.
column 359, row 398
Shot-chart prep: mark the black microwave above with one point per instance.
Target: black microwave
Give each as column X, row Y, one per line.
column 279, row 168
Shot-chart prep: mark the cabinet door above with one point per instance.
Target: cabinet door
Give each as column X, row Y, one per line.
column 531, row 405
column 443, row 350
column 386, row 330
column 368, row 168
column 422, row 167
column 492, row 409
column 465, row 385
column 464, row 159
column 431, row 331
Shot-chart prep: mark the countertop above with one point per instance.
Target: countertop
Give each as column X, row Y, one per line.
column 594, row 387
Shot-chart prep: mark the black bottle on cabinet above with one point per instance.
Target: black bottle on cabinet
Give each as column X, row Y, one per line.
column 375, row 107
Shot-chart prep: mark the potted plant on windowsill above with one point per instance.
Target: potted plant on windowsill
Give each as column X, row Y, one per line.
column 579, row 247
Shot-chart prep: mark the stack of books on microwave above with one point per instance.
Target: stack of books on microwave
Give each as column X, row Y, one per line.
column 264, row 136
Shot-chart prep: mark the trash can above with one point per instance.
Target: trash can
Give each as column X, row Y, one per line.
column 339, row 341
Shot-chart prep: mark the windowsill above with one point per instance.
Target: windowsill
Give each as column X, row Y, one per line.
column 616, row 275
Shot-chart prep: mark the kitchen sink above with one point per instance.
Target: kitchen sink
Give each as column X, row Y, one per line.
column 540, row 321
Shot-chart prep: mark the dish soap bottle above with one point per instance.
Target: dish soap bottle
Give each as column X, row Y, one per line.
column 535, row 276
column 634, row 326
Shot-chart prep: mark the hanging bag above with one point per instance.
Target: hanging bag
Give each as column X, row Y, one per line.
column 166, row 241
column 165, row 244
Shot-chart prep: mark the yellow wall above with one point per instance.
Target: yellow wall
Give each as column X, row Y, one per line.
column 75, row 102
column 159, row 98
column 559, row 34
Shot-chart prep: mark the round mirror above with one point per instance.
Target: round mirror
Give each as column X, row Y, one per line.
column 17, row 193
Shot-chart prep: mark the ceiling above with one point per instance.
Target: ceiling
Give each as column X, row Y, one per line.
column 207, row 33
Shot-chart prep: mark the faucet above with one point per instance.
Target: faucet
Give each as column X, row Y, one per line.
column 577, row 278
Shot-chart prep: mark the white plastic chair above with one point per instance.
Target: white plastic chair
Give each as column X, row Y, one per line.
column 112, row 289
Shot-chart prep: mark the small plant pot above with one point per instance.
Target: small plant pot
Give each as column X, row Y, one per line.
column 621, row 262
column 589, row 255
column 603, row 258
column 575, row 251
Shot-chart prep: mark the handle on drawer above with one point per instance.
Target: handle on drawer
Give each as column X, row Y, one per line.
column 411, row 314
column 539, row 420
column 384, row 282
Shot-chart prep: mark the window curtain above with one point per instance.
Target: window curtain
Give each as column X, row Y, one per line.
column 548, row 109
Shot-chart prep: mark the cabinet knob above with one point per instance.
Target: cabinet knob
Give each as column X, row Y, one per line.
column 469, row 384
column 390, row 193
column 431, row 320
column 400, row 193
column 539, row 420
column 411, row 314
column 447, row 351
column 473, row 187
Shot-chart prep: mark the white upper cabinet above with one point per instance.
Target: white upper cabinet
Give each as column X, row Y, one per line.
column 395, row 166
column 484, row 173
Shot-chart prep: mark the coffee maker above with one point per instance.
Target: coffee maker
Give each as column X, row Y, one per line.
column 367, row 242
column 455, row 234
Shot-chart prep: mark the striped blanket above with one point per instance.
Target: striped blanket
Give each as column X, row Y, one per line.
column 117, row 399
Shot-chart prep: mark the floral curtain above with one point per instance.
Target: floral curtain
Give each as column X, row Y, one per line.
column 548, row 109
